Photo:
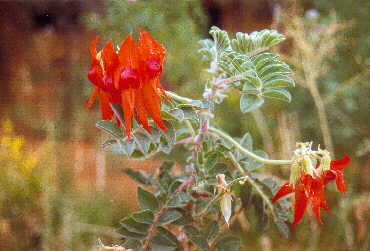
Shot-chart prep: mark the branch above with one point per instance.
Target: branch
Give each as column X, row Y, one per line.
column 179, row 98
column 252, row 183
column 247, row 152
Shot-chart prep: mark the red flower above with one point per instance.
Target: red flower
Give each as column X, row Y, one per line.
column 306, row 189
column 129, row 77
column 310, row 188
column 100, row 75
column 336, row 172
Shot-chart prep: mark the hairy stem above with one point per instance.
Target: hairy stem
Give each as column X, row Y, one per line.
column 252, row 183
column 178, row 98
column 247, row 152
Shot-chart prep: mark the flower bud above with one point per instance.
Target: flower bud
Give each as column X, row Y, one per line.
column 324, row 161
column 307, row 165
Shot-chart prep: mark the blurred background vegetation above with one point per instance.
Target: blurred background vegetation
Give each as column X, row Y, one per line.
column 60, row 191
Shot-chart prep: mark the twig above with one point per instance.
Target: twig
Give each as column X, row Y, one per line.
column 247, row 152
column 252, row 183
column 153, row 227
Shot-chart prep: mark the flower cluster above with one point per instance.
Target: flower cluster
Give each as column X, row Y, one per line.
column 308, row 181
column 128, row 76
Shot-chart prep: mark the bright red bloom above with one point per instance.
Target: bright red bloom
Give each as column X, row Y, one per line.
column 311, row 188
column 129, row 77
column 101, row 76
column 306, row 189
column 336, row 172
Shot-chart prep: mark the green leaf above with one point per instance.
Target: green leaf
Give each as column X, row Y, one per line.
column 220, row 37
column 197, row 238
column 252, row 164
column 277, row 93
column 169, row 216
column 261, row 59
column 275, row 66
column 246, row 195
column 117, row 110
column 110, row 128
column 133, row 226
column 144, row 216
column 142, row 142
column 218, row 168
column 147, row 200
column 164, row 240
column 185, row 218
column 174, row 185
column 211, row 159
column 130, row 235
column 256, row 42
column 170, row 134
column 132, row 244
column 282, row 225
column 262, row 216
column 165, row 179
column 279, row 81
column 247, row 141
column 180, row 200
column 228, row 243
column 189, row 113
column 250, row 102
column 211, row 230
column 173, row 114
column 138, row 176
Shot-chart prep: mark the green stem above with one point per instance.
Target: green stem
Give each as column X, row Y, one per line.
column 252, row 183
column 190, row 127
column 247, row 152
column 219, row 195
column 179, row 98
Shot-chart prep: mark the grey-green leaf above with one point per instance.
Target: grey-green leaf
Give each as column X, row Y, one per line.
column 147, row 200
column 110, row 127
column 277, row 93
column 220, row 37
column 133, row 226
column 144, row 216
column 180, row 200
column 211, row 230
column 228, row 243
column 169, row 216
column 164, row 240
column 130, row 235
column 250, row 102
column 280, row 81
column 138, row 176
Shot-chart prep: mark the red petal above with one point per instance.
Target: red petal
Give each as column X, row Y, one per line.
column 339, row 180
column 317, row 197
column 141, row 113
column 328, row 175
column 106, row 110
column 128, row 54
column 300, row 203
column 151, row 46
column 109, row 55
column 92, row 98
column 340, row 164
column 152, row 104
column 284, row 190
column 92, row 47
